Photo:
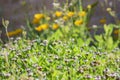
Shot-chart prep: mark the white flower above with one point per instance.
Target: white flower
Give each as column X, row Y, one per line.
column 111, row 4
column 56, row 4
column 94, row 26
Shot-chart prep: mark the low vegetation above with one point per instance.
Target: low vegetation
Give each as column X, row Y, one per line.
column 59, row 46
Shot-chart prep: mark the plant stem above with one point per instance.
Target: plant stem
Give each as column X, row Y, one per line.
column 7, row 34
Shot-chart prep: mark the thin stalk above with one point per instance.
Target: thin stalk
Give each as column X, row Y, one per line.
column 7, row 34
column 80, row 5
column 6, row 58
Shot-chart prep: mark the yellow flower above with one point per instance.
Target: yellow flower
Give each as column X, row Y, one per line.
column 89, row 6
column 103, row 21
column 44, row 26
column 39, row 16
column 117, row 31
column 108, row 9
column 39, row 28
column 58, row 13
column 78, row 22
column 35, row 21
column 82, row 14
column 18, row 31
column 55, row 26
column 70, row 14
column 65, row 18
column 13, row 33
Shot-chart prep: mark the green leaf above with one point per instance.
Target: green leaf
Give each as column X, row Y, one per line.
column 98, row 38
column 109, row 43
column 56, row 35
column 108, row 30
column 33, row 59
column 80, row 42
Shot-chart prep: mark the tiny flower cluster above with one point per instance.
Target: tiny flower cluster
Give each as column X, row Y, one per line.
column 44, row 22
column 14, row 33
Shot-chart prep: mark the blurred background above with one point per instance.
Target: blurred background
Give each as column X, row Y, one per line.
column 16, row 11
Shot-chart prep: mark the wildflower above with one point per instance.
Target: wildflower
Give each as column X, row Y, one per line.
column 95, row 63
column 78, row 22
column 50, row 61
column 65, row 18
column 112, row 75
column 67, row 60
column 81, row 70
column 59, row 42
column 89, row 6
column 55, row 26
column 38, row 16
column 59, row 67
column 70, row 14
column 14, row 59
column 39, row 28
column 108, row 9
column 30, row 74
column 102, row 21
column 58, row 13
column 82, row 14
column 39, row 68
column 60, row 21
column 18, row 31
column 7, row 74
column 44, row 26
column 5, row 23
column 88, row 76
column 35, row 21
column 94, row 26
column 117, row 31
column 18, row 38
column 13, row 33
column 45, row 42
column 97, row 78
column 55, row 4
column 56, row 57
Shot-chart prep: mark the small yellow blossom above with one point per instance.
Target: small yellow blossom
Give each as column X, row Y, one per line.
column 89, row 6
column 78, row 22
column 44, row 26
column 102, row 21
column 13, row 33
column 58, row 13
column 70, row 14
column 117, row 31
column 82, row 14
column 55, row 26
column 35, row 21
column 65, row 18
column 39, row 16
column 39, row 28
column 108, row 9
column 18, row 30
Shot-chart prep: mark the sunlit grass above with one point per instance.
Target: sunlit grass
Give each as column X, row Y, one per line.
column 59, row 46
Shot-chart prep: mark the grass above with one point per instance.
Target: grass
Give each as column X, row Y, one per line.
column 57, row 60
column 65, row 51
